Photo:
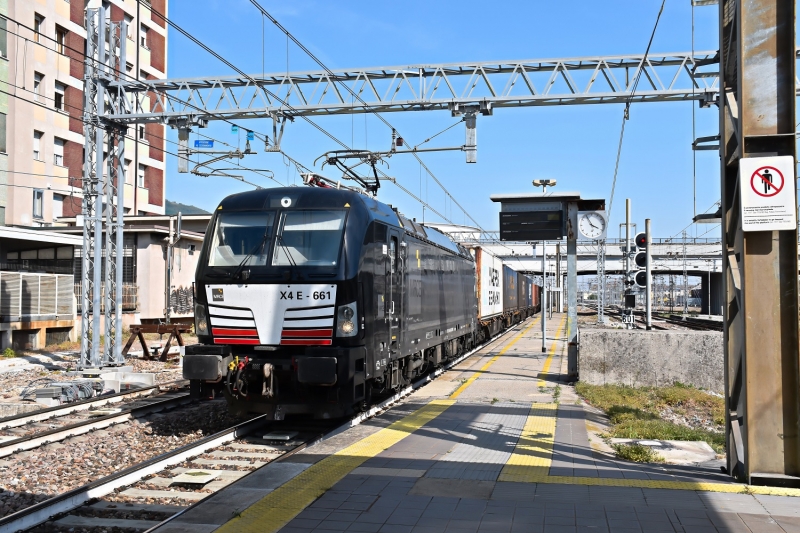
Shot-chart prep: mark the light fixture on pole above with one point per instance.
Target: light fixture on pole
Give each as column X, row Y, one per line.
column 544, row 184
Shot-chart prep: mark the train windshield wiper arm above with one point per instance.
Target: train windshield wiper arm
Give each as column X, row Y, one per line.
column 259, row 246
column 286, row 251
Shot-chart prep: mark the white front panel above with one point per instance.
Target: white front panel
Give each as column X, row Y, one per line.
column 491, row 285
column 271, row 305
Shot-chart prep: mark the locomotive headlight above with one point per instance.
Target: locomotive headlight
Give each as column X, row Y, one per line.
column 346, row 321
column 200, row 319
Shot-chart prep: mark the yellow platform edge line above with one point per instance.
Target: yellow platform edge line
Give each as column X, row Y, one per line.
column 456, row 393
column 532, row 457
column 280, row 506
column 549, row 361
column 733, row 488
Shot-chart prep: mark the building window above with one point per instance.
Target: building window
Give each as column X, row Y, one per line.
column 58, row 206
column 140, row 177
column 59, row 100
column 38, row 203
column 58, row 151
column 38, row 27
column 3, row 37
column 141, row 132
column 3, row 132
column 143, row 37
column 61, row 40
column 128, row 171
column 129, row 25
column 128, row 68
column 37, row 86
column 37, row 145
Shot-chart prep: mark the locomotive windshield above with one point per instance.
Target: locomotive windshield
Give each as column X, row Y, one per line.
column 238, row 235
column 309, row 237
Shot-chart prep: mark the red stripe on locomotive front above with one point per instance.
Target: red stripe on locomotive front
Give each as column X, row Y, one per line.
column 234, row 332
column 307, row 333
column 306, row 342
column 226, row 340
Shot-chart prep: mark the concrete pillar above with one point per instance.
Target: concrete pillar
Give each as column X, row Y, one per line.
column 40, row 339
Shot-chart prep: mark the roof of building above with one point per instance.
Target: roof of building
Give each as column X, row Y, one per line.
column 16, row 238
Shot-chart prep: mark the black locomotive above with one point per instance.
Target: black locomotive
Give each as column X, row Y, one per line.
column 310, row 301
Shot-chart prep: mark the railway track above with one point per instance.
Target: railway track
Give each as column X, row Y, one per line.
column 693, row 323
column 137, row 409
column 49, row 413
column 228, row 456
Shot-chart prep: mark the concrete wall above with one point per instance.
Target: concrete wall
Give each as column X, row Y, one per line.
column 654, row 358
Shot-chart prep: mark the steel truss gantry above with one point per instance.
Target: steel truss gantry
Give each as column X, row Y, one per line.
column 103, row 193
column 447, row 86
column 762, row 348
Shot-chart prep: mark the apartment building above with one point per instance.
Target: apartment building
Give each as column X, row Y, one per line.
column 42, row 43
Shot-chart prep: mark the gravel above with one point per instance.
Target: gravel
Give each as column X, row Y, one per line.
column 13, row 381
column 32, row 476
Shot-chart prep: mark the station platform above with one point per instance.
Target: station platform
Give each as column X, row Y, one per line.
column 500, row 443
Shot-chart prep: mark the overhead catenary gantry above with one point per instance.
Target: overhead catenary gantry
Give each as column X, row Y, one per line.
column 462, row 88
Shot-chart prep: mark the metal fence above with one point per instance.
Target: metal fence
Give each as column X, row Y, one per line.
column 130, row 296
column 28, row 296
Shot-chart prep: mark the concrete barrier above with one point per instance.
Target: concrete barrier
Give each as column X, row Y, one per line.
column 651, row 358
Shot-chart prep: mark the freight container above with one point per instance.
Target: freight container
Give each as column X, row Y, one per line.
column 490, row 294
column 510, row 301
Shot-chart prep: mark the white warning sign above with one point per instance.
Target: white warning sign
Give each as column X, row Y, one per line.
column 767, row 193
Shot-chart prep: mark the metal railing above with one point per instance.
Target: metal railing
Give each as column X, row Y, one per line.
column 30, row 296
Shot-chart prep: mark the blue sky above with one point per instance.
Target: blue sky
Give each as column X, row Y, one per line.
column 577, row 145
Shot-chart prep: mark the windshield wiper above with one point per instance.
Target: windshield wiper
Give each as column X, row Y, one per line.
column 289, row 257
column 259, row 246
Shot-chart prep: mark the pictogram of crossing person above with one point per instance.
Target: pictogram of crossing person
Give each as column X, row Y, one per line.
column 766, row 177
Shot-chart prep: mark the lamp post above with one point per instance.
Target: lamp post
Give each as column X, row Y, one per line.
column 544, row 184
column 709, row 263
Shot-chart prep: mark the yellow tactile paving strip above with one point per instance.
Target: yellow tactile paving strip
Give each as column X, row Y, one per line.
column 549, row 361
column 532, row 456
column 278, row 507
column 484, row 368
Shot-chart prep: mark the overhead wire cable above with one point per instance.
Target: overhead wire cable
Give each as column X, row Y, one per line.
column 284, row 103
column 158, row 137
column 289, row 35
column 118, row 72
column 123, row 136
column 626, row 114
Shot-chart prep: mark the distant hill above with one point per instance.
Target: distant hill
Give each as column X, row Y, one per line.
column 172, row 208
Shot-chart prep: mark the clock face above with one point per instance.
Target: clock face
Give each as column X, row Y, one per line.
column 592, row 225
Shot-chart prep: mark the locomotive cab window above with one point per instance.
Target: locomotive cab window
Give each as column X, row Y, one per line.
column 238, row 235
column 310, row 238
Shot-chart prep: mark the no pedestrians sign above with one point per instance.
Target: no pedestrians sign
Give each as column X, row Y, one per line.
column 767, row 193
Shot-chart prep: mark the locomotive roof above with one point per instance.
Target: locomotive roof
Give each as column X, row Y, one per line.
column 318, row 197
column 309, row 197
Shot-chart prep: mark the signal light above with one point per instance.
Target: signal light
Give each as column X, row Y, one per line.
column 640, row 259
